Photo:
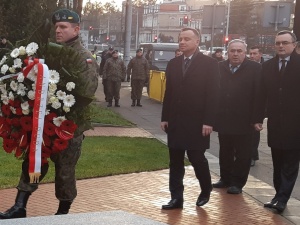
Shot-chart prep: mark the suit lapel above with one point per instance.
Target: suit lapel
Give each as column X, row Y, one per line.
column 192, row 64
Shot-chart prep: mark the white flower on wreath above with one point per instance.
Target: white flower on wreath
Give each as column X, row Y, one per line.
column 21, row 89
column 15, row 53
column 11, row 96
column 13, row 110
column 17, row 63
column 70, row 86
column 25, row 111
column 13, row 85
column 12, row 70
column 4, row 69
column 3, row 87
column 4, row 99
column 52, row 88
column 32, row 48
column 33, row 86
column 47, row 112
column 58, row 120
column 22, row 50
column 61, row 95
column 54, row 77
column 31, row 94
column 20, row 77
column 69, row 101
column 66, row 109
column 3, row 60
column 25, row 105
column 56, row 105
column 53, row 99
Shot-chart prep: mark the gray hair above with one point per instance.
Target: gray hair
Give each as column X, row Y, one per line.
column 237, row 41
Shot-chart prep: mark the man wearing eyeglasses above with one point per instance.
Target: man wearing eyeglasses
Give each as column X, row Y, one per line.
column 239, row 81
column 280, row 93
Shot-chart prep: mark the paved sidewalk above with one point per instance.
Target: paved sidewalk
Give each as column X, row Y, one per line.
column 143, row 194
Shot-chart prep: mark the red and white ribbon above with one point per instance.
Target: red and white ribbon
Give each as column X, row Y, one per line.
column 39, row 109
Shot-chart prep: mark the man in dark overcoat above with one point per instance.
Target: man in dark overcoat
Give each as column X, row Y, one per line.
column 188, row 115
column 280, row 95
column 239, row 87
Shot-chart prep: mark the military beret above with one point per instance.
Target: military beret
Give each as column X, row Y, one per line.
column 114, row 51
column 139, row 50
column 65, row 15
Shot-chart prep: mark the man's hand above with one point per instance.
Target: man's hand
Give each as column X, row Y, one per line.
column 258, row 126
column 206, row 130
column 164, row 126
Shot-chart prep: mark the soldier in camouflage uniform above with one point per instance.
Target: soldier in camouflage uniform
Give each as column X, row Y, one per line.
column 114, row 72
column 139, row 68
column 67, row 30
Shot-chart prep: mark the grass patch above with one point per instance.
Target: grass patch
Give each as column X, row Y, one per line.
column 107, row 116
column 101, row 156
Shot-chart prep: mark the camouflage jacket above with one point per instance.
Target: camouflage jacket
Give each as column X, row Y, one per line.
column 88, row 81
column 114, row 69
column 139, row 67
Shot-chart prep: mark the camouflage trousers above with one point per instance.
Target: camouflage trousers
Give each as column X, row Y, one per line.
column 137, row 89
column 113, row 90
column 65, row 163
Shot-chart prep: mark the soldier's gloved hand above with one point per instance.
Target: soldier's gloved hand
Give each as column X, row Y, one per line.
column 128, row 79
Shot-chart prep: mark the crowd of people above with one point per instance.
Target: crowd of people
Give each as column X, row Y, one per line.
column 232, row 97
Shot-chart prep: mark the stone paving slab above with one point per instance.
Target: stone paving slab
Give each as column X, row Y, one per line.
column 96, row 218
column 118, row 131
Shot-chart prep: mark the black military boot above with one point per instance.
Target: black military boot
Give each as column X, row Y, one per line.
column 139, row 103
column 109, row 103
column 63, row 207
column 117, row 103
column 133, row 103
column 19, row 209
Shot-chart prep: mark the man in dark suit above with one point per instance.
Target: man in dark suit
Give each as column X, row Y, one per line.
column 239, row 87
column 188, row 115
column 280, row 95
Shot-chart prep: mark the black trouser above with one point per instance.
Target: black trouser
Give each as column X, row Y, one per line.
column 255, row 144
column 65, row 181
column 235, row 158
column 286, row 167
column 177, row 170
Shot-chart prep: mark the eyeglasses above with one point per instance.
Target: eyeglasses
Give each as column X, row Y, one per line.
column 284, row 43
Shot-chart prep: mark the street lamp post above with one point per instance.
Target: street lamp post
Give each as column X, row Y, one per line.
column 227, row 21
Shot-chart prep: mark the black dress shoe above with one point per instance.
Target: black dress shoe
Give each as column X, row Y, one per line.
column 234, row 190
column 279, row 206
column 270, row 204
column 173, row 204
column 202, row 201
column 220, row 184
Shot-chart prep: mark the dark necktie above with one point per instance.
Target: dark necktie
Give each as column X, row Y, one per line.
column 282, row 68
column 186, row 63
column 233, row 69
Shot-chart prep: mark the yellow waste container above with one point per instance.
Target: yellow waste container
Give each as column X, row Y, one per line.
column 157, row 85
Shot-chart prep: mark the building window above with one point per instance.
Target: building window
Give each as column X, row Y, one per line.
column 181, row 22
column 182, row 8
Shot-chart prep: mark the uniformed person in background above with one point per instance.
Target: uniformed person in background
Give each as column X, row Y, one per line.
column 138, row 68
column 67, row 31
column 114, row 72
column 106, row 54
